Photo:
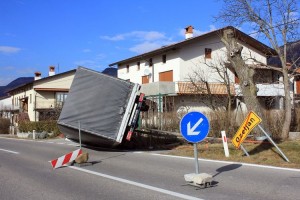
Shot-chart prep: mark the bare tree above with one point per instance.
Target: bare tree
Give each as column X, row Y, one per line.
column 200, row 85
column 277, row 21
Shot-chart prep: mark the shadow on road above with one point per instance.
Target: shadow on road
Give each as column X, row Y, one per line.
column 227, row 168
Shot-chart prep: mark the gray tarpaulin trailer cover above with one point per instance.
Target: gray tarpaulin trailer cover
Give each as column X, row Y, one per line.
column 103, row 105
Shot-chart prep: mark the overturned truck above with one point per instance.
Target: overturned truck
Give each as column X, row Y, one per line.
column 105, row 109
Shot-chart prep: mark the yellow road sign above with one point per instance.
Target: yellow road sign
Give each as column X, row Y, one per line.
column 251, row 121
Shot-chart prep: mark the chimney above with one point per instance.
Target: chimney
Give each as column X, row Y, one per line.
column 37, row 76
column 51, row 70
column 189, row 32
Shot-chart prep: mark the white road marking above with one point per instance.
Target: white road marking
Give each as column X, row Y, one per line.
column 42, row 141
column 181, row 157
column 149, row 187
column 227, row 162
column 9, row 151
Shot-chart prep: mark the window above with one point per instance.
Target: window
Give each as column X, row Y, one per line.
column 127, row 68
column 207, row 53
column 297, row 86
column 150, row 62
column 60, row 98
column 164, row 58
column 145, row 79
column 30, row 98
column 166, row 76
column 138, row 66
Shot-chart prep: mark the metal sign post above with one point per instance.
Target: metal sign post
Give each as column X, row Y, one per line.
column 251, row 121
column 244, row 150
column 79, row 132
column 270, row 139
column 196, row 158
column 194, row 127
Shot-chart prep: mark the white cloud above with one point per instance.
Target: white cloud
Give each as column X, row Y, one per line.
column 26, row 71
column 198, row 32
column 144, row 47
column 149, row 46
column 136, row 35
column 113, row 38
column 100, row 56
column 86, row 50
column 8, row 68
column 144, row 40
column 8, row 49
column 85, row 63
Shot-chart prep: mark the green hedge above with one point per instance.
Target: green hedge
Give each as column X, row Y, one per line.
column 4, row 126
column 48, row 126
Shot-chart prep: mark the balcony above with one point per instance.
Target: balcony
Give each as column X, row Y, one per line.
column 265, row 90
column 158, row 88
column 186, row 88
column 50, row 104
column 203, row 88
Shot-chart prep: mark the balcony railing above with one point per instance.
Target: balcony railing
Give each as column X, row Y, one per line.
column 267, row 90
column 203, row 88
column 182, row 88
column 49, row 105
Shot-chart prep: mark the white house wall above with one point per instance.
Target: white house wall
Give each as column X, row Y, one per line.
column 45, row 99
column 31, row 104
column 193, row 59
column 135, row 75
column 186, row 60
column 41, row 99
column 62, row 81
column 250, row 52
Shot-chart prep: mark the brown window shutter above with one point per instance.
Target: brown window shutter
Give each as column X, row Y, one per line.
column 145, row 79
column 166, row 76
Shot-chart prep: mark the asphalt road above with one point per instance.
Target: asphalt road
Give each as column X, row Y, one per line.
column 25, row 173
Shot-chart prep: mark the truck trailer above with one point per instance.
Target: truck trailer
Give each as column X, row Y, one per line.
column 104, row 109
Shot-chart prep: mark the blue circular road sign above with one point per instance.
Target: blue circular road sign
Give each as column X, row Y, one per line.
column 194, row 127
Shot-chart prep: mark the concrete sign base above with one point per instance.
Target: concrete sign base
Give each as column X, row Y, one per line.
column 199, row 180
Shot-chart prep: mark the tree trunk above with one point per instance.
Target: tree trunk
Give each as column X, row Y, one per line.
column 244, row 73
column 287, row 105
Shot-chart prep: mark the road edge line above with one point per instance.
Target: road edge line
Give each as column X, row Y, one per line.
column 9, row 151
column 230, row 162
column 141, row 185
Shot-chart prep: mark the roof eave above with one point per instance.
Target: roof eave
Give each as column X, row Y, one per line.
column 241, row 36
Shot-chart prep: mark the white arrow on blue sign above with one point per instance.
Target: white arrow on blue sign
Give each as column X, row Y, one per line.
column 194, row 127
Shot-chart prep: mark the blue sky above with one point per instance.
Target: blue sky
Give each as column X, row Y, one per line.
column 35, row 34
column 92, row 33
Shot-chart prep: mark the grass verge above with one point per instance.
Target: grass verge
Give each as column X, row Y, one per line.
column 263, row 153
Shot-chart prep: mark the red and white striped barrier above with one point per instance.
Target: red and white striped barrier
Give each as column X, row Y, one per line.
column 65, row 159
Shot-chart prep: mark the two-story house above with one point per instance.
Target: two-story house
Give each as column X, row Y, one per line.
column 42, row 98
column 169, row 71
